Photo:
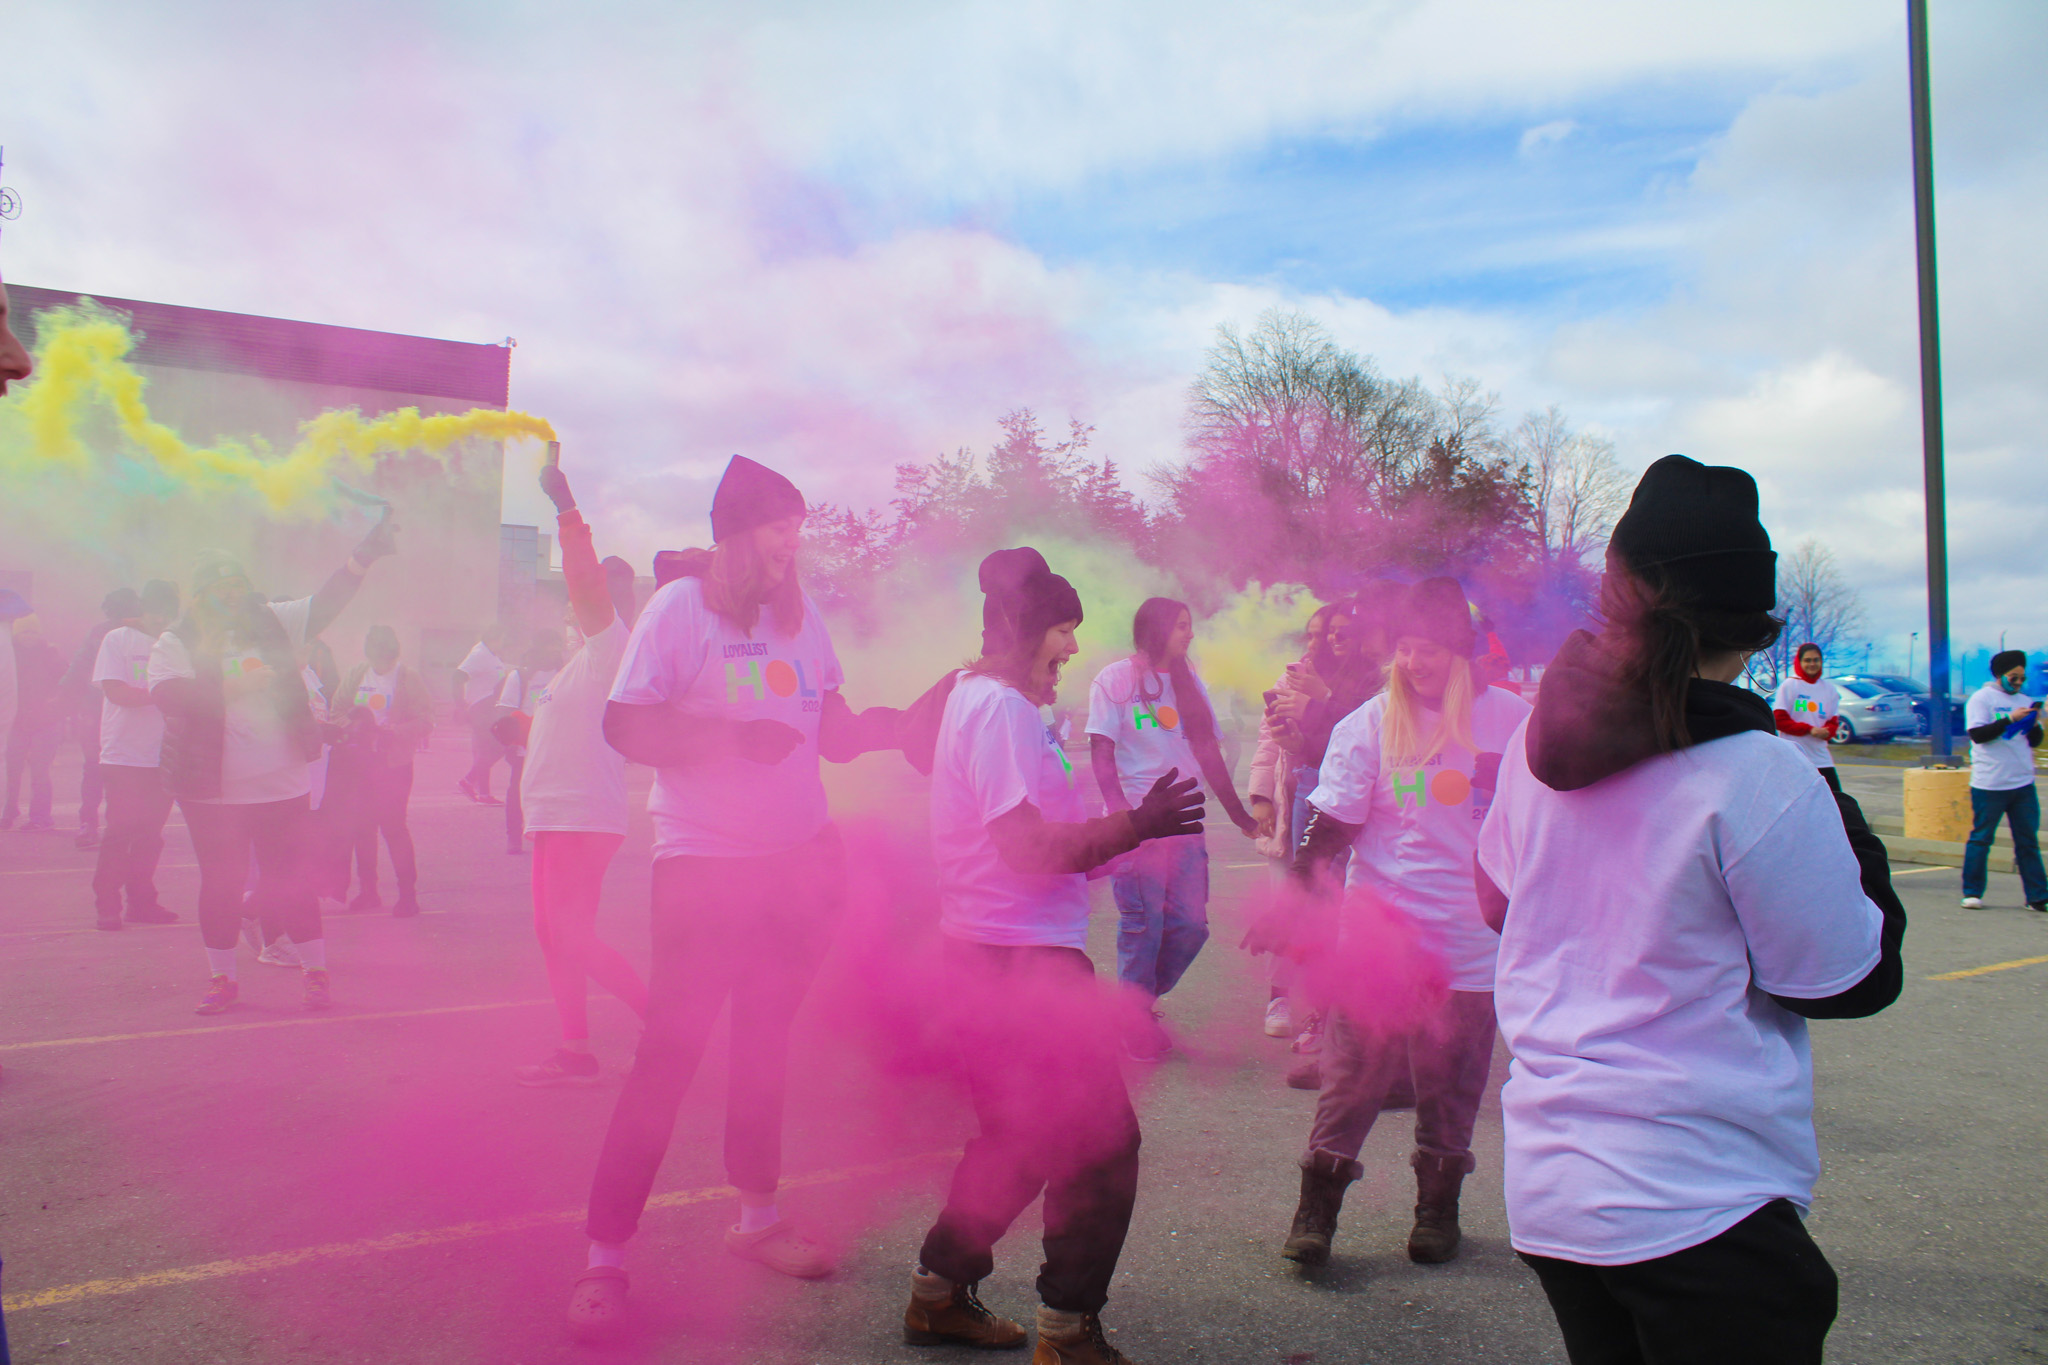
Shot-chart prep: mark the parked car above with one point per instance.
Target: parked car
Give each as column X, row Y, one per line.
column 1873, row 713
column 1918, row 691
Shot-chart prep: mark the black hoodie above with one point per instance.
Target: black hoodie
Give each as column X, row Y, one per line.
column 1588, row 726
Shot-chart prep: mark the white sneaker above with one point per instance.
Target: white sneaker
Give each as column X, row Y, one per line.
column 280, row 954
column 1973, row 902
column 1279, row 1018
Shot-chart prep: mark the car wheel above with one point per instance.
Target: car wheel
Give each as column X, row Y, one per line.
column 1845, row 733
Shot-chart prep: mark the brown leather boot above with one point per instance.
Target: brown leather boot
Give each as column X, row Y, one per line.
column 1438, row 1180
column 1315, row 1218
column 1074, row 1339
column 942, row 1313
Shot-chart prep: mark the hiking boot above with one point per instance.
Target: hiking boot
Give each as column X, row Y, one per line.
column 1435, row 1237
column 221, row 994
column 564, row 1068
column 151, row 914
column 1074, row 1339
column 1323, row 1183
column 942, row 1313
column 597, row 1308
column 780, row 1247
column 318, row 995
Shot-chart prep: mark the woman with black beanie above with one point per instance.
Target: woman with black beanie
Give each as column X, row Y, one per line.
column 1014, row 851
column 1678, row 893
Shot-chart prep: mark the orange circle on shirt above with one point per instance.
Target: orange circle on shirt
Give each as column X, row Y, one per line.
column 1449, row 787
column 376, row 701
column 1168, row 717
column 781, row 679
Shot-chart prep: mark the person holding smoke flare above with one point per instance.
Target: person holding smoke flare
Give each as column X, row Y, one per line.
column 1014, row 853
column 388, row 712
column 1405, row 782
column 130, row 759
column 1148, row 714
column 238, row 736
column 1808, row 710
column 730, row 689
column 573, row 793
column 1677, row 894
column 2004, row 726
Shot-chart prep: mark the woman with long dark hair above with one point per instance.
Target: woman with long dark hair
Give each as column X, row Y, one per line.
column 1014, row 852
column 1677, row 893
column 1149, row 714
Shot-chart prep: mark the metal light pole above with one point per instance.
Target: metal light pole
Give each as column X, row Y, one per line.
column 1941, row 745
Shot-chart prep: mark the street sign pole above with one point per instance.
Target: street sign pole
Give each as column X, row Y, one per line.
column 1941, row 741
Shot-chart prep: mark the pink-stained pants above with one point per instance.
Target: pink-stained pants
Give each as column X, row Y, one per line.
column 568, row 874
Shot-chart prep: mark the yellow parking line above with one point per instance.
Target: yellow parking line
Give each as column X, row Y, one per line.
column 1916, row 871
column 1994, row 967
column 87, row 869
column 270, row 1023
column 407, row 1241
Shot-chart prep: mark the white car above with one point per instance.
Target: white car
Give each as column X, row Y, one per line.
column 1873, row 714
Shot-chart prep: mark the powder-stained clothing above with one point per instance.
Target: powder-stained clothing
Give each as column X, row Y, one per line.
column 130, row 736
column 261, row 760
column 573, row 779
column 483, row 672
column 686, row 656
column 994, row 754
column 1809, row 703
column 1419, row 825
column 1139, row 711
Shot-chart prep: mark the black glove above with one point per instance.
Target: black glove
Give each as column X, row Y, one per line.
column 382, row 541
column 555, row 484
column 1171, row 807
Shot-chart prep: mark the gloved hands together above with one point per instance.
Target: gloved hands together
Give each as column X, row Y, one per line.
column 1172, row 807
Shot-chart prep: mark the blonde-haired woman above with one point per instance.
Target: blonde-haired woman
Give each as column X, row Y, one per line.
column 1404, row 785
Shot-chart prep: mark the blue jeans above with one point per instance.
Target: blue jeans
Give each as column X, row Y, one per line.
column 1162, row 899
column 2021, row 808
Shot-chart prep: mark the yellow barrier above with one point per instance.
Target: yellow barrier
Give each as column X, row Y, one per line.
column 1938, row 804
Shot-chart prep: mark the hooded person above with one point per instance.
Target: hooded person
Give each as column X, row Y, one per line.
column 2004, row 725
column 239, row 736
column 1404, row 783
column 1014, row 851
column 1677, row 893
column 729, row 689
column 1807, row 710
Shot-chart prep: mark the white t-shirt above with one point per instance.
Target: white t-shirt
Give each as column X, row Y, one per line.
column 686, row 656
column 1658, row 1095
column 484, row 671
column 1809, row 703
column 259, row 761
column 1420, row 826
column 1137, row 709
column 995, row 753
column 376, row 692
column 130, row 736
column 2003, row 765
column 574, row 780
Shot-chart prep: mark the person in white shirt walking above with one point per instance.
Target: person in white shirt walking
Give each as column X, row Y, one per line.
column 1404, row 783
column 2004, row 725
column 573, row 794
column 1149, row 714
column 524, row 691
column 479, row 678
column 1808, row 710
column 131, row 734
column 1677, row 894
column 1014, row 851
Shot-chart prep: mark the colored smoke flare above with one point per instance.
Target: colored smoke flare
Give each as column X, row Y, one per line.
column 82, row 362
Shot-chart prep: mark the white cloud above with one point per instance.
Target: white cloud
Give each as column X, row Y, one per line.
column 1545, row 135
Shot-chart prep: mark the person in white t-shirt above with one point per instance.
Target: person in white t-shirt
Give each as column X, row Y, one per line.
column 2004, row 725
column 573, row 793
column 131, row 732
column 524, row 690
column 387, row 713
column 1677, row 893
column 1405, row 781
column 1149, row 714
column 479, row 679
column 730, row 689
column 1014, row 852
column 238, row 736
column 1808, row 710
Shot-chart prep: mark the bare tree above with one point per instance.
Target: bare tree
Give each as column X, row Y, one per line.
column 1817, row 603
column 1576, row 487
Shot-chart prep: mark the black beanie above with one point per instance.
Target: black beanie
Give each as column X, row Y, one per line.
column 1435, row 609
column 2005, row 659
column 1023, row 598
column 751, row 495
column 1697, row 526
column 120, row 604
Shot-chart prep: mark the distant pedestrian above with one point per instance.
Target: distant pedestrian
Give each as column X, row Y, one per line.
column 1808, row 711
column 131, row 731
column 478, row 681
column 118, row 608
column 524, row 689
column 2004, row 725
column 38, row 726
column 389, row 700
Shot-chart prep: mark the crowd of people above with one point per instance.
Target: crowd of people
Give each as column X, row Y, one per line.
column 1633, row 878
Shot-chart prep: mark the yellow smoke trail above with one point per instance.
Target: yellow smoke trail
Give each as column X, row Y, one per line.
column 82, row 361
column 1242, row 647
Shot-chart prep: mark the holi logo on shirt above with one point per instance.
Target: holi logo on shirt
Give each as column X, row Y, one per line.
column 1805, row 706
column 1413, row 790
column 374, row 700
column 780, row 678
column 1159, row 718
column 140, row 668
column 235, row 668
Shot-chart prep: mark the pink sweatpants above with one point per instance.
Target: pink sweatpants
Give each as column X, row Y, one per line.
column 568, row 874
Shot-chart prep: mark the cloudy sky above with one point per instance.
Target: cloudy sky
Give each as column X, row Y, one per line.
column 838, row 236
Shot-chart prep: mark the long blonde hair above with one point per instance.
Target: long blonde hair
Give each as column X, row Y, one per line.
column 736, row 587
column 1401, row 739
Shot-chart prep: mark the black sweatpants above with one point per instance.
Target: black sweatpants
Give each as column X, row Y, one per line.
column 385, row 792
column 280, row 836
column 1760, row 1293
column 138, row 804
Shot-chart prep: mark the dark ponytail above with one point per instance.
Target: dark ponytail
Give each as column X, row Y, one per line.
column 1151, row 628
column 1661, row 634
